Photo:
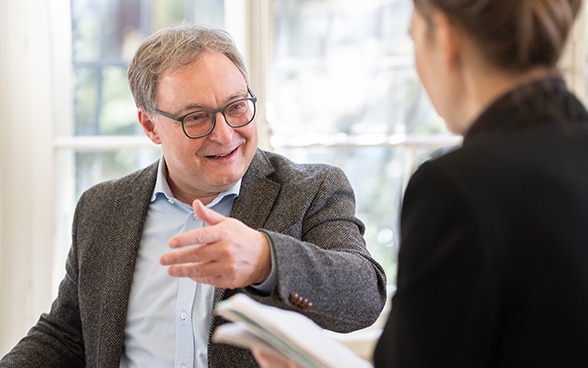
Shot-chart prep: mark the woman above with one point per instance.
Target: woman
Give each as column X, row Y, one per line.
column 493, row 263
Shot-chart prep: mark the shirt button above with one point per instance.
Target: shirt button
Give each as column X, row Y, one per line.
column 183, row 315
column 183, row 366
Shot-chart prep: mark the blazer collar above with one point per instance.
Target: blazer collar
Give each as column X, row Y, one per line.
column 540, row 103
column 258, row 192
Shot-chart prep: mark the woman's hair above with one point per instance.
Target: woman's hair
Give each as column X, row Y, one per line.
column 172, row 48
column 512, row 34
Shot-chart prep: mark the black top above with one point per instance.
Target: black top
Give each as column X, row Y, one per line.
column 493, row 261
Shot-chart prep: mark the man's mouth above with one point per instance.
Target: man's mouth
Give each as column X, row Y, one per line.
column 223, row 155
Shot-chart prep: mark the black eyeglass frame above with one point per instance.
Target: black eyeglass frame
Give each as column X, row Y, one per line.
column 222, row 110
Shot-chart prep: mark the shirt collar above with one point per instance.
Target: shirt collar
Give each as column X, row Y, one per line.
column 162, row 186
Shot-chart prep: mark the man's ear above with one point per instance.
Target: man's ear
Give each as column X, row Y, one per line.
column 449, row 39
column 148, row 126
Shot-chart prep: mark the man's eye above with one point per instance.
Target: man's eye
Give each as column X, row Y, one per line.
column 196, row 117
column 237, row 106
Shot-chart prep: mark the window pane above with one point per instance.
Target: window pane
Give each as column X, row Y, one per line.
column 101, row 28
column 204, row 12
column 105, row 34
column 210, row 12
column 346, row 67
column 87, row 90
column 94, row 167
column 103, row 104
column 166, row 12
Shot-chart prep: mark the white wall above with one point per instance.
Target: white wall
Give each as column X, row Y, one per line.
column 26, row 191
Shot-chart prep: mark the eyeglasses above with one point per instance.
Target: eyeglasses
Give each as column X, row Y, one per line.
column 199, row 124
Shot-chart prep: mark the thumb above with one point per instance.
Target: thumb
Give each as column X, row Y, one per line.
column 210, row 217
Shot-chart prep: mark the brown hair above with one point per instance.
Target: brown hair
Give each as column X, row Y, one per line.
column 171, row 48
column 512, row 34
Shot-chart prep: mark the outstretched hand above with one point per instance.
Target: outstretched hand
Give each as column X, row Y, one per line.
column 225, row 254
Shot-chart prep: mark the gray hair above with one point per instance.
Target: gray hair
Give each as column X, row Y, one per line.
column 171, row 48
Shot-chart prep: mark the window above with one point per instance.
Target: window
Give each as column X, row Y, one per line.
column 335, row 81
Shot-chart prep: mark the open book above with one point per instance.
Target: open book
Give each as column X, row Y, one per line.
column 281, row 332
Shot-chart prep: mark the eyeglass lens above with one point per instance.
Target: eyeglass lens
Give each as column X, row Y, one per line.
column 236, row 114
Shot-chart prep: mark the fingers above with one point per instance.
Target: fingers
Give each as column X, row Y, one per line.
column 268, row 359
column 198, row 271
column 195, row 237
column 188, row 255
column 212, row 273
column 202, row 236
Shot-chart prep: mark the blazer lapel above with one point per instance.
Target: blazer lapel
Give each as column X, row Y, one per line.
column 126, row 228
column 258, row 193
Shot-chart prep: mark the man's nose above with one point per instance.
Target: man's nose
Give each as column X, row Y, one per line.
column 221, row 132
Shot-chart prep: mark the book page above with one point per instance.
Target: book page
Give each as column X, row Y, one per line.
column 289, row 333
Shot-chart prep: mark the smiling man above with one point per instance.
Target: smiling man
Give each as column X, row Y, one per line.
column 154, row 252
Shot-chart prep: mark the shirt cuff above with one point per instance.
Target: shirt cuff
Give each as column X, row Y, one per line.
column 268, row 285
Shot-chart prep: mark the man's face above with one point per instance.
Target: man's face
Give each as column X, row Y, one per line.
column 203, row 167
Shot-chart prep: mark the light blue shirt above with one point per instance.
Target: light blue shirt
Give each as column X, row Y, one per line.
column 169, row 318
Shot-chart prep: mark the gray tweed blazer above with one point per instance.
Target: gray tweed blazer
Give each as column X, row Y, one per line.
column 308, row 213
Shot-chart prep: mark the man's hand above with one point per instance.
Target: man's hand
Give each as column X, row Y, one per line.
column 225, row 254
column 268, row 360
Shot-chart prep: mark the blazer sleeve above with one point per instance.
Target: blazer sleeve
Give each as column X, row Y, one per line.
column 443, row 310
column 320, row 252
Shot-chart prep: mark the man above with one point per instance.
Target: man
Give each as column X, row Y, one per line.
column 237, row 219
